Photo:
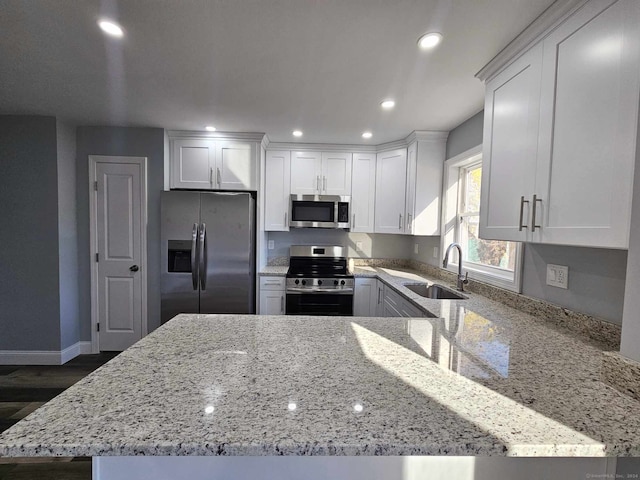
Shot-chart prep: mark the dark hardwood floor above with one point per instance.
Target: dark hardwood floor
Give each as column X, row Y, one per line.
column 24, row 389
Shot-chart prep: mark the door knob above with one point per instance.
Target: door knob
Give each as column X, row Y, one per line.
column 134, row 268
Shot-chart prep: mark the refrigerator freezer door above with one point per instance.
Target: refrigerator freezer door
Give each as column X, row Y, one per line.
column 230, row 254
column 180, row 211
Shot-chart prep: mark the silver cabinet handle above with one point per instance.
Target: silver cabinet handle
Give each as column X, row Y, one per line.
column 281, row 303
column 533, row 214
column 194, row 254
column 353, row 222
column 522, row 202
column 318, row 183
column 219, row 176
column 324, row 184
column 379, row 292
column 285, row 219
column 211, row 175
column 409, row 218
column 203, row 256
column 400, row 222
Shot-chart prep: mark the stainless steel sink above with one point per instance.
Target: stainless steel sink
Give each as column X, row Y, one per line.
column 435, row 291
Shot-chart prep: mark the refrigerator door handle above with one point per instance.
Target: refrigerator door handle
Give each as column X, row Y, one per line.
column 194, row 253
column 203, row 256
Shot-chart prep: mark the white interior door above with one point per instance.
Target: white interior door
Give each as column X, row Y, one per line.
column 120, row 266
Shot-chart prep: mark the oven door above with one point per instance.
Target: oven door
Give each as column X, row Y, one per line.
column 319, row 303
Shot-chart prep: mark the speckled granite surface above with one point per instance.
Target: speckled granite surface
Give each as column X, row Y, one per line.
column 621, row 373
column 277, row 385
column 274, row 271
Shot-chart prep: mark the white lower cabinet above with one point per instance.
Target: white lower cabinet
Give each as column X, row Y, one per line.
column 272, row 296
column 395, row 305
column 367, row 298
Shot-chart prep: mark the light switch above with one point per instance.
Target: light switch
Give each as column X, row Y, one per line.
column 359, row 246
column 416, row 248
column 558, row 276
column 271, row 245
column 435, row 252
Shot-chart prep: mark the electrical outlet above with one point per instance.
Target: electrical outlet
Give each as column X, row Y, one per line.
column 271, row 245
column 435, row 252
column 359, row 246
column 558, row 276
column 416, row 249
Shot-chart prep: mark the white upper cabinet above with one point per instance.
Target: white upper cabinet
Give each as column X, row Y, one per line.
column 561, row 132
column 192, row 163
column 363, row 192
column 336, row 173
column 425, row 160
column 391, row 182
column 277, row 182
column 509, row 147
column 236, row 166
column 208, row 164
column 306, row 173
column 588, row 118
column 315, row 173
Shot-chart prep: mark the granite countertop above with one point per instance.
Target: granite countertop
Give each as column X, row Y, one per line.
column 278, row 385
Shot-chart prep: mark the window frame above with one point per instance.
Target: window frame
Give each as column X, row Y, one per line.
column 452, row 197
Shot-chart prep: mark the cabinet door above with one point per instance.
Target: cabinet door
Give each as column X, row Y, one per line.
column 306, row 173
column 277, row 184
column 589, row 111
column 236, row 166
column 192, row 163
column 336, row 173
column 410, row 197
column 391, row 178
column 509, row 148
column 365, row 291
column 272, row 302
column 363, row 192
column 423, row 201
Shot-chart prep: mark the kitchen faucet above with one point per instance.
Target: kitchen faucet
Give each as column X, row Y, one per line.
column 462, row 279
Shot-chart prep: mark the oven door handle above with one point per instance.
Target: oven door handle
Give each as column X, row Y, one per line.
column 335, row 291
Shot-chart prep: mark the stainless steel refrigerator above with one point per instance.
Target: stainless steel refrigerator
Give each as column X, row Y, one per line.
column 208, row 253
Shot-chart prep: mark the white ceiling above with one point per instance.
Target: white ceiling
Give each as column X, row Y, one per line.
column 322, row 66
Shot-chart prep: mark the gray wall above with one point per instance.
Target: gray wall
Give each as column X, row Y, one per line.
column 466, row 135
column 373, row 245
column 29, row 282
column 596, row 275
column 67, row 236
column 124, row 141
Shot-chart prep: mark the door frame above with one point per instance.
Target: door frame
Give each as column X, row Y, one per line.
column 93, row 238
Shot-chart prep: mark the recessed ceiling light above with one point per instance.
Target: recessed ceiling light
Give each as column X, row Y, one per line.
column 297, row 133
column 429, row 40
column 210, row 128
column 388, row 104
column 367, row 135
column 111, row 28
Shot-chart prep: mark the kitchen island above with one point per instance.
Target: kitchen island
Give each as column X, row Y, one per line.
column 242, row 385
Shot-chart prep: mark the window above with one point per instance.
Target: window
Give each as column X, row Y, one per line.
column 490, row 261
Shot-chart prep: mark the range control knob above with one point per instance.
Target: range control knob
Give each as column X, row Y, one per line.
column 319, row 282
column 304, row 282
column 335, row 282
column 297, row 282
column 342, row 282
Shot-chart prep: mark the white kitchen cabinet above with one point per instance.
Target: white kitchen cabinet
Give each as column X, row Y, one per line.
column 367, row 299
column 509, row 148
column 316, row 173
column 391, row 178
column 192, row 163
column 588, row 120
column 272, row 296
column 425, row 160
column 277, row 184
column 560, row 133
column 208, row 164
column 363, row 192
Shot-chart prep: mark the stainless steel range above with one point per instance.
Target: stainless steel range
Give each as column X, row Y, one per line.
column 318, row 281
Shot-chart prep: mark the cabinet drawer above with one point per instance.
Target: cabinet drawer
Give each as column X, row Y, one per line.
column 272, row 283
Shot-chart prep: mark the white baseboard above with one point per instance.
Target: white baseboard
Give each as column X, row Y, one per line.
column 43, row 357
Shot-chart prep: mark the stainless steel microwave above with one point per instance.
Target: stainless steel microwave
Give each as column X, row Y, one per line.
column 319, row 211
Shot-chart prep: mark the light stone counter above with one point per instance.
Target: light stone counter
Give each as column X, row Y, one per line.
column 274, row 271
column 275, row 385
